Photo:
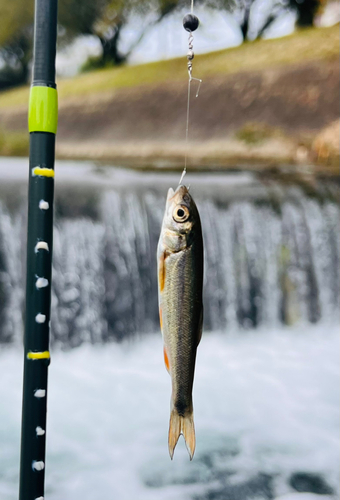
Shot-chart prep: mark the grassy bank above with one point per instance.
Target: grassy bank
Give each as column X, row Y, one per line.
column 13, row 143
column 262, row 104
column 302, row 46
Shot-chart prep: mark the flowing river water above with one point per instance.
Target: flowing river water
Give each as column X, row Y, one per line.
column 265, row 396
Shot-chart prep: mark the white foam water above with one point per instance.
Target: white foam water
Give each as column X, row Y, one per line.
column 266, row 405
column 272, row 251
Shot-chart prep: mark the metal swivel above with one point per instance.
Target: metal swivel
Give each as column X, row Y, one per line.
column 190, row 55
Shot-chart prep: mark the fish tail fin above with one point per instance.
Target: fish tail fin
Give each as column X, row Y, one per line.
column 188, row 431
column 174, row 431
column 182, row 425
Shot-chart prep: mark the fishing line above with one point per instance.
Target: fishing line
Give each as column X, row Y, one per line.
column 187, row 132
column 190, row 24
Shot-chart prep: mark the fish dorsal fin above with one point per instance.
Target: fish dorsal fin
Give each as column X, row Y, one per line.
column 200, row 328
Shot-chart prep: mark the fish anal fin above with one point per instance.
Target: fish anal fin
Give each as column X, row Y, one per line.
column 166, row 359
column 182, row 425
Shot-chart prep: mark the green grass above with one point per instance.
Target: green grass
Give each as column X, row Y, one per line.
column 256, row 133
column 302, row 46
column 13, row 143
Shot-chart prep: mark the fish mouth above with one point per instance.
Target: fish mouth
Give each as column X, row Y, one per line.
column 179, row 194
column 181, row 187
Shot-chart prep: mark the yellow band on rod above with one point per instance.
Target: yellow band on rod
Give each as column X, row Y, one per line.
column 43, row 110
column 38, row 355
column 43, row 172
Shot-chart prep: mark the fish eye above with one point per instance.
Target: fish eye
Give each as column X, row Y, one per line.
column 180, row 213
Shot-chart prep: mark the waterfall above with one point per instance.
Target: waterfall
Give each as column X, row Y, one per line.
column 269, row 259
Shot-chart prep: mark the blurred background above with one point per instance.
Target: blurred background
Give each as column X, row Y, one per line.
column 263, row 167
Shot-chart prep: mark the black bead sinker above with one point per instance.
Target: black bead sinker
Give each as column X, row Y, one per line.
column 190, row 22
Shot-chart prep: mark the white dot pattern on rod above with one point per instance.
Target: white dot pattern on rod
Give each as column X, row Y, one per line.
column 38, row 465
column 44, row 205
column 41, row 245
column 41, row 283
column 40, row 393
column 40, row 318
column 39, row 431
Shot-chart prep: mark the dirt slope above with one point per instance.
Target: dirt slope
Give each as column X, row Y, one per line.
column 285, row 108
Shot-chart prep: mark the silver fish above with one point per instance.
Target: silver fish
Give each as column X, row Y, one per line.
column 180, row 283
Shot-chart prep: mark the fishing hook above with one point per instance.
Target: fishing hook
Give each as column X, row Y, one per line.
column 182, row 176
column 190, row 24
column 190, row 57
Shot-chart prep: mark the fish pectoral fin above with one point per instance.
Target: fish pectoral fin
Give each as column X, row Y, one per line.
column 166, row 359
column 161, row 271
column 182, row 425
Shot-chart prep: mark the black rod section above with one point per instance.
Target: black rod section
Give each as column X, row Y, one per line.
column 45, row 35
column 42, row 127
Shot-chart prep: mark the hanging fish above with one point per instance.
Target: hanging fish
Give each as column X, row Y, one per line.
column 180, row 282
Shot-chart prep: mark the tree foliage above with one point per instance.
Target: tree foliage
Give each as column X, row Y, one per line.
column 15, row 41
column 15, row 16
column 106, row 20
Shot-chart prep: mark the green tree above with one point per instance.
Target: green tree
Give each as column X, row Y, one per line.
column 106, row 19
column 15, row 41
column 305, row 12
column 15, row 15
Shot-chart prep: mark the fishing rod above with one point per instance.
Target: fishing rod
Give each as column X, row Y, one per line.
column 42, row 125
